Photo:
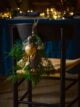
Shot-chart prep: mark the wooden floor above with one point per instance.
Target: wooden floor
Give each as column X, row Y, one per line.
column 45, row 91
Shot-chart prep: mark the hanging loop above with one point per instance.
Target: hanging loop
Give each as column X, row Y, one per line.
column 34, row 26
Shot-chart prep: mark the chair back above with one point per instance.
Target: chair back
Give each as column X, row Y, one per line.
column 23, row 30
column 51, row 32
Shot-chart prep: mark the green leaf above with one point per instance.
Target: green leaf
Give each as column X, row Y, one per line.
column 16, row 51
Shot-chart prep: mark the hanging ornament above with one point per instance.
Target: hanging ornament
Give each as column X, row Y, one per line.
column 31, row 64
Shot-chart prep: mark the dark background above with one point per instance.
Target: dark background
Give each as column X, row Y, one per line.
column 38, row 4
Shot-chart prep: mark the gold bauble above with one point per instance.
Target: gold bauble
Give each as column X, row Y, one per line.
column 30, row 49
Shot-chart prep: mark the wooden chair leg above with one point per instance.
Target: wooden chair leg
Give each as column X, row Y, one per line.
column 63, row 68
column 29, row 93
column 79, row 89
column 62, row 93
column 15, row 94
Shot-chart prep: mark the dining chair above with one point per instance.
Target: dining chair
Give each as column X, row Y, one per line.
column 57, row 49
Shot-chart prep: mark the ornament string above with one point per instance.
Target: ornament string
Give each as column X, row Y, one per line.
column 34, row 26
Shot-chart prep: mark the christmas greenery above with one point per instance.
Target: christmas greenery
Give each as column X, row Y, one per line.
column 30, row 61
